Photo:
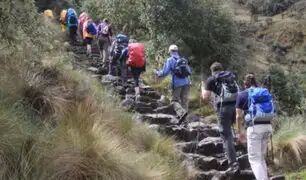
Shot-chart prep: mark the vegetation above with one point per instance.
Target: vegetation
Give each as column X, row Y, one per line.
column 58, row 124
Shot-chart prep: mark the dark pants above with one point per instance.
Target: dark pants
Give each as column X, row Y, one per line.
column 226, row 117
column 72, row 34
column 136, row 71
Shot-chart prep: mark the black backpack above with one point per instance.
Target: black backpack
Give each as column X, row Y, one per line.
column 227, row 87
column 181, row 68
column 119, row 46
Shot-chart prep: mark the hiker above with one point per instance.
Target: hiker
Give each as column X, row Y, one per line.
column 82, row 18
column 258, row 126
column 120, row 43
column 225, row 89
column 49, row 13
column 62, row 19
column 89, row 31
column 72, row 23
column 104, row 38
column 180, row 82
column 136, row 61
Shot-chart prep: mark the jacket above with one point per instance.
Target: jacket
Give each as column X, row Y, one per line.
column 169, row 68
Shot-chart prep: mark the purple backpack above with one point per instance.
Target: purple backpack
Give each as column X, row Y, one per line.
column 103, row 29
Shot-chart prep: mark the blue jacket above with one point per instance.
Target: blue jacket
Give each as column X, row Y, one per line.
column 168, row 68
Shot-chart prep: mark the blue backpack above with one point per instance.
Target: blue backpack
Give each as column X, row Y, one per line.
column 72, row 18
column 260, row 105
column 91, row 28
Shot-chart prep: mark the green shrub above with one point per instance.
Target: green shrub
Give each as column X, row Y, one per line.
column 287, row 89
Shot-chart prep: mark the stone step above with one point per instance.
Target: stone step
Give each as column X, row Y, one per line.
column 223, row 175
column 159, row 119
column 189, row 134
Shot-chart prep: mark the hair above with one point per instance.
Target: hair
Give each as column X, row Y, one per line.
column 249, row 80
column 216, row 66
column 106, row 20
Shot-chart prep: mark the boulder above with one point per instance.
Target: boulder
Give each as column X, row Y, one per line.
column 151, row 94
column 143, row 108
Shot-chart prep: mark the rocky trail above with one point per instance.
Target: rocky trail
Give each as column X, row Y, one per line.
column 198, row 142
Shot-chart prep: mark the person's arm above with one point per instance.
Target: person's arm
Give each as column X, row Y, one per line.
column 207, row 89
column 240, row 103
column 166, row 69
column 239, row 119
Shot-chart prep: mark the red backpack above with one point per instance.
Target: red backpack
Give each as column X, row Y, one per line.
column 136, row 55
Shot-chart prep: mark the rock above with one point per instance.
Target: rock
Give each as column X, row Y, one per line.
column 102, row 71
column 244, row 162
column 143, row 108
column 163, row 101
column 222, row 164
column 151, row 94
column 147, row 88
column 93, row 69
column 187, row 147
column 207, row 163
column 158, row 118
column 194, row 125
column 127, row 104
column 130, row 91
column 147, row 99
column 210, row 146
column 108, row 79
column 280, row 177
column 129, row 96
column 207, row 175
column 154, row 127
column 166, row 110
column 120, row 90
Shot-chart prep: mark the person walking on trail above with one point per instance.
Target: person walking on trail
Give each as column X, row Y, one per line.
column 117, row 57
column 225, row 89
column 72, row 23
column 62, row 19
column 82, row 18
column 180, row 82
column 136, row 61
column 89, row 31
column 48, row 13
column 104, row 38
column 255, row 106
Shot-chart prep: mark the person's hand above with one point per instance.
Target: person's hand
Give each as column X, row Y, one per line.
column 241, row 137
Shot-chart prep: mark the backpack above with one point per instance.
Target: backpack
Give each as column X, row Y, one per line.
column 91, row 28
column 227, row 88
column 181, row 68
column 72, row 21
column 260, row 105
column 136, row 54
column 104, row 29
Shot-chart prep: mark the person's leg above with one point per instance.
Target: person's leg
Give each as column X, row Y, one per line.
column 101, row 45
column 123, row 70
column 136, row 74
column 185, row 96
column 255, row 153
column 74, row 34
column 225, row 116
column 112, row 66
column 176, row 101
column 106, row 51
column 88, row 45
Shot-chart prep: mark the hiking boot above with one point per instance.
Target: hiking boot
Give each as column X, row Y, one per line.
column 233, row 169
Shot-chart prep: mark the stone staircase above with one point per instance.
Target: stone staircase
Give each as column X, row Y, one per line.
column 198, row 143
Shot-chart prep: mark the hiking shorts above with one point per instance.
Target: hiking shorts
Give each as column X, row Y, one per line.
column 88, row 41
column 104, row 42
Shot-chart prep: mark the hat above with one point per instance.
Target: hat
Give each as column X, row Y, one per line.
column 173, row 47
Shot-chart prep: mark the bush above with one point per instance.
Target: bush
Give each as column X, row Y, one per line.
column 287, row 89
